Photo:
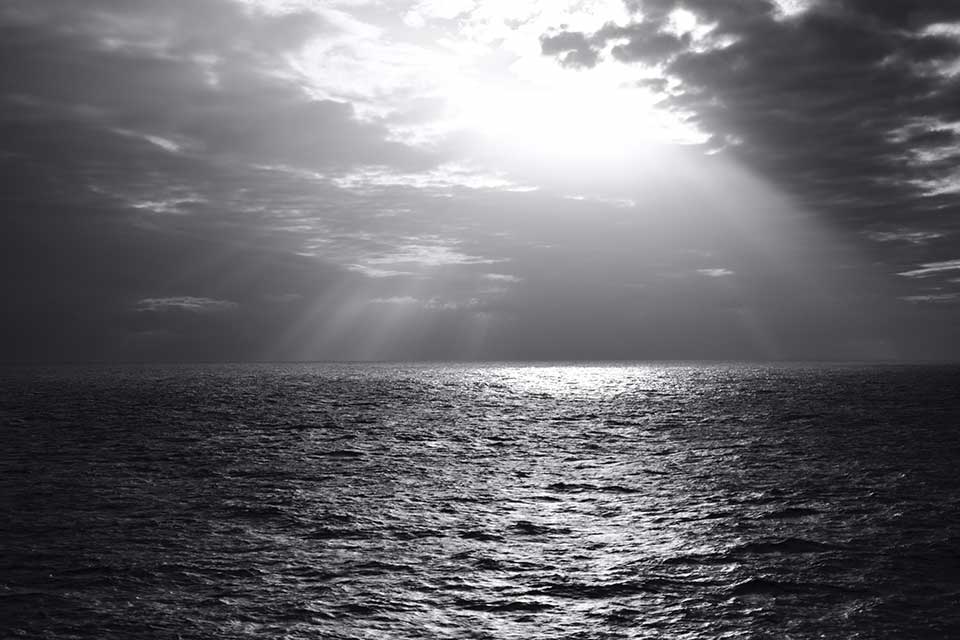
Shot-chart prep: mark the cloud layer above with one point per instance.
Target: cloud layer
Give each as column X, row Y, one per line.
column 851, row 107
column 226, row 179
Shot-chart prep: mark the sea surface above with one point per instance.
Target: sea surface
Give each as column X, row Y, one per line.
column 480, row 501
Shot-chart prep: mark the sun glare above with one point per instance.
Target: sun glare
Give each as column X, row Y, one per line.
column 573, row 120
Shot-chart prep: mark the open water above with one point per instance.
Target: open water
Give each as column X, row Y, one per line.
column 486, row 501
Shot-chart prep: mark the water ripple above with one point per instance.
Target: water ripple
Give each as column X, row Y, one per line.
column 369, row 501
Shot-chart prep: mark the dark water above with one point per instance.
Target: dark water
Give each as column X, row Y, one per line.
column 327, row 501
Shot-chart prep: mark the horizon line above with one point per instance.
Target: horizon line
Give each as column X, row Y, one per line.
column 529, row 361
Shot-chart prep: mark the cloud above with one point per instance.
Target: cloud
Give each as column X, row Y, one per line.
column 373, row 272
column 428, row 255
column 395, row 300
column 850, row 106
column 573, row 49
column 934, row 298
column 188, row 304
column 502, row 277
column 932, row 268
column 220, row 69
column 715, row 273
column 905, row 235
column 434, row 304
column 299, row 168
column 440, row 304
column 444, row 178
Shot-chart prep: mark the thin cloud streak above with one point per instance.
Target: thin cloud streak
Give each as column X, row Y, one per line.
column 931, row 268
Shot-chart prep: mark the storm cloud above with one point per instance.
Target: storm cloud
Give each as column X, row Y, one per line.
column 851, row 107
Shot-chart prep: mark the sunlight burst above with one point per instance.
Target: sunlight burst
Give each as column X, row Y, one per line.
column 570, row 120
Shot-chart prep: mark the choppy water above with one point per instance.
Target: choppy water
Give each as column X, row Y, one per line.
column 375, row 501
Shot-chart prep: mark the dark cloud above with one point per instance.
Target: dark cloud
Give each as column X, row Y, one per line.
column 645, row 40
column 139, row 222
column 851, row 107
column 233, row 106
column 572, row 49
column 187, row 304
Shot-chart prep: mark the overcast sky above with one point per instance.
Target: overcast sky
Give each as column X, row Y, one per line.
column 479, row 179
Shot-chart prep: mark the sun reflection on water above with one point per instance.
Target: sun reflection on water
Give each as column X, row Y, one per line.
column 575, row 381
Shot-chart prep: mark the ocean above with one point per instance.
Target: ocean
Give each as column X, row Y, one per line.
column 480, row 501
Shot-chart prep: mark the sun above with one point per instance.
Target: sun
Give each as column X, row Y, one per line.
column 572, row 117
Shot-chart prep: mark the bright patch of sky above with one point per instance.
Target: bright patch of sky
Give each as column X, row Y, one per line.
column 475, row 70
column 791, row 8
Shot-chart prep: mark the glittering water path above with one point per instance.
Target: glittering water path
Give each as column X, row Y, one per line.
column 374, row 501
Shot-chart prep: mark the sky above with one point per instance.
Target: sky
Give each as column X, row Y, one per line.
column 205, row 180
